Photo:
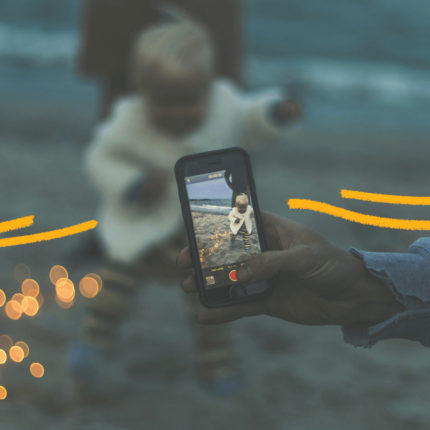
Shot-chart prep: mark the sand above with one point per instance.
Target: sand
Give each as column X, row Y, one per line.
column 293, row 377
column 213, row 240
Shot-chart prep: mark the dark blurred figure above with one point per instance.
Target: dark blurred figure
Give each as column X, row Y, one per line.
column 110, row 28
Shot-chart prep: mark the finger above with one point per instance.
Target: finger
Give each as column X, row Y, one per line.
column 229, row 313
column 271, row 263
column 183, row 260
column 189, row 284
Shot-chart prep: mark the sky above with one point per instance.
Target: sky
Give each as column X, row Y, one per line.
column 216, row 189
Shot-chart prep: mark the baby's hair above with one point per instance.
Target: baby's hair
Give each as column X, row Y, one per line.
column 174, row 49
column 242, row 199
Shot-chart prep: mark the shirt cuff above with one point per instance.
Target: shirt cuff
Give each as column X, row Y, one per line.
column 407, row 276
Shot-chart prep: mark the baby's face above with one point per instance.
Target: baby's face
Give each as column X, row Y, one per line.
column 241, row 207
column 178, row 107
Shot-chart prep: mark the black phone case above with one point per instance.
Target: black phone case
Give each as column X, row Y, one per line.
column 186, row 213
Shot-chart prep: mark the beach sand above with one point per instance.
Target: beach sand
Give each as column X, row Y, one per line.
column 294, row 377
column 213, row 239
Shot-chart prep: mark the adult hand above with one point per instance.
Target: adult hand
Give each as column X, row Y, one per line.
column 313, row 281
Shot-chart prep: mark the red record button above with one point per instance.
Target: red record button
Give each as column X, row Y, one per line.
column 233, row 275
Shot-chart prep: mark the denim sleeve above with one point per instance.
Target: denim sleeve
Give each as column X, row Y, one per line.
column 407, row 276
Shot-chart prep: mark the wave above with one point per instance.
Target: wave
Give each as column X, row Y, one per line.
column 211, row 209
column 379, row 82
column 35, row 46
column 384, row 83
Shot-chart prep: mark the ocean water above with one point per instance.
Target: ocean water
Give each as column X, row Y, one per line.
column 352, row 62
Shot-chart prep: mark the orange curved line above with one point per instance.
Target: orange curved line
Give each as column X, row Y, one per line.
column 16, row 224
column 48, row 235
column 325, row 208
column 385, row 198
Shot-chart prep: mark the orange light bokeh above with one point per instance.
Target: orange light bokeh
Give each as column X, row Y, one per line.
column 98, row 279
column 64, row 305
column 40, row 299
column 16, row 353
column 65, row 290
column 57, row 272
column 30, row 287
column 37, row 370
column 3, row 356
column 3, row 392
column 2, row 298
column 13, row 310
column 24, row 347
column 89, row 287
column 18, row 297
column 30, row 306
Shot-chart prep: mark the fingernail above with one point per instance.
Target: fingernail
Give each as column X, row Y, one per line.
column 245, row 273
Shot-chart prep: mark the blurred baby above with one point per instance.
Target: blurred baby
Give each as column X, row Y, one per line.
column 180, row 107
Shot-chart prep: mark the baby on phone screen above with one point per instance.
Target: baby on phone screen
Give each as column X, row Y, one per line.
column 241, row 221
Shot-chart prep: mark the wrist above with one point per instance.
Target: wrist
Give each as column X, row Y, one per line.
column 374, row 302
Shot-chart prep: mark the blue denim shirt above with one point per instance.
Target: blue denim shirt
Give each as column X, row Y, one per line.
column 408, row 278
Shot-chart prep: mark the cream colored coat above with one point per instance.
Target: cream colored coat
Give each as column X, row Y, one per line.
column 243, row 218
column 126, row 145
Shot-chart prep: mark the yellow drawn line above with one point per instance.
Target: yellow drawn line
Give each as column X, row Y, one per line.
column 385, row 198
column 48, row 235
column 325, row 208
column 16, row 224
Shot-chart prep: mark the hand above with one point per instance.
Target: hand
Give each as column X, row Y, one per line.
column 154, row 186
column 313, row 281
column 286, row 110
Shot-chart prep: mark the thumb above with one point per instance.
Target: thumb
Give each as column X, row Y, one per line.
column 270, row 263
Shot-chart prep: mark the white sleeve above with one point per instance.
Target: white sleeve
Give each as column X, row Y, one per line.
column 231, row 217
column 254, row 115
column 110, row 167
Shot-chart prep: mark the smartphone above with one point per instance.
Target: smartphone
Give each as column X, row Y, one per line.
column 223, row 223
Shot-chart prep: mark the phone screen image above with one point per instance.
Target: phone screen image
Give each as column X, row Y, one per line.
column 224, row 225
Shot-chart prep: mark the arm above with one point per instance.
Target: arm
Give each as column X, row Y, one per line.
column 231, row 217
column 266, row 116
column 407, row 277
column 110, row 167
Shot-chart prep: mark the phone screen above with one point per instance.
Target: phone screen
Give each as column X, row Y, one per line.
column 224, row 224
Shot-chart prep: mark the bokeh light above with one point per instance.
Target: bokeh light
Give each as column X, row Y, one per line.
column 18, row 297
column 98, row 279
column 3, row 356
column 40, row 299
column 57, row 272
column 13, row 310
column 30, row 288
column 65, row 290
column 64, row 305
column 37, row 370
column 24, row 347
column 21, row 272
column 89, row 287
column 16, row 353
column 2, row 298
column 30, row 306
column 3, row 392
